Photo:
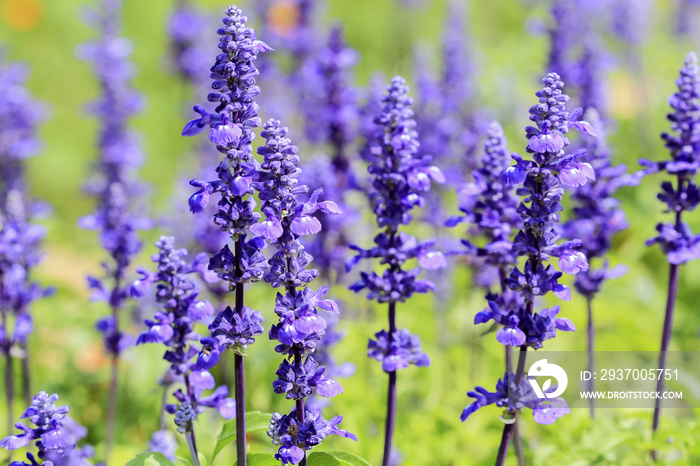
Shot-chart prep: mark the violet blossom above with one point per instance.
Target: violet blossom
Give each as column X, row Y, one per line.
column 287, row 220
column 173, row 327
column 676, row 239
column 20, row 237
column 231, row 129
column 597, row 218
column 54, row 434
column 399, row 178
column 114, row 187
column 332, row 118
column 543, row 179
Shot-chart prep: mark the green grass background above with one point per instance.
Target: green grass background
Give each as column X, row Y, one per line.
column 66, row 351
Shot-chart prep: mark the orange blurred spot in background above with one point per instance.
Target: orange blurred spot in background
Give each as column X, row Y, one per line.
column 22, row 15
column 283, row 17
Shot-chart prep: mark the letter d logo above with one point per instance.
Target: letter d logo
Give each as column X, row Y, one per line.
column 544, row 369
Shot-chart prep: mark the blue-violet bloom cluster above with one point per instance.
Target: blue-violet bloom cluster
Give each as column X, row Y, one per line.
column 20, row 238
column 676, row 239
column 399, row 178
column 543, row 179
column 597, row 216
column 173, row 327
column 300, row 327
column 55, row 434
column 120, row 154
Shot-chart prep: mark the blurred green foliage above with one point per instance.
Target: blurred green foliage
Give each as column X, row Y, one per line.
column 66, row 351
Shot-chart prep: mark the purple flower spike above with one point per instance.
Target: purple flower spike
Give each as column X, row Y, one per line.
column 300, row 325
column 56, row 434
column 542, row 178
column 399, row 177
column 20, row 238
column 173, row 327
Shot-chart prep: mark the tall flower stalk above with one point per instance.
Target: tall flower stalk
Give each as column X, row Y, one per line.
column 331, row 121
column 543, row 180
column 114, row 186
column 597, row 218
column 173, row 327
column 288, row 218
column 489, row 207
column 399, row 177
column 676, row 239
column 231, row 130
column 20, row 238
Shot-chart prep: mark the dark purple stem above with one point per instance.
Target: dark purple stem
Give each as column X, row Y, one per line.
column 9, row 391
column 517, row 441
column 668, row 326
column 239, row 369
column 112, row 406
column 391, row 393
column 191, row 441
column 26, row 376
column 505, row 440
column 591, row 358
column 114, row 377
column 300, row 406
column 298, row 360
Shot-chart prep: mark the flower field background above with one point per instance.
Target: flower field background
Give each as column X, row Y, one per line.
column 509, row 51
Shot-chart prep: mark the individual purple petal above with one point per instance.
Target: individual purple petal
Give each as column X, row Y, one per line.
column 513, row 176
column 432, row 260
column 562, row 292
column 225, row 134
column 546, row 142
column 572, row 262
column 268, row 229
column 510, row 336
column 328, row 388
column 565, row 325
column 306, row 225
column 227, row 408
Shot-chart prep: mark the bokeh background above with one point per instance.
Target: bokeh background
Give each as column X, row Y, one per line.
column 510, row 56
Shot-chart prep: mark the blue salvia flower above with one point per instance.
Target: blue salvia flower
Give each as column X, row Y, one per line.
column 676, row 239
column 564, row 35
column 20, row 238
column 115, row 187
column 490, row 206
column 332, row 118
column 399, row 178
column 597, row 218
column 163, row 441
column 186, row 26
column 287, row 219
column 445, row 111
column 173, row 326
column 543, row 179
column 55, row 434
column 231, row 129
column 684, row 16
column 630, row 22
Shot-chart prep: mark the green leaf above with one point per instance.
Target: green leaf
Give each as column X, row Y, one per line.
column 150, row 458
column 321, row 458
column 202, row 459
column 254, row 420
column 261, row 459
column 350, row 458
column 180, row 461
